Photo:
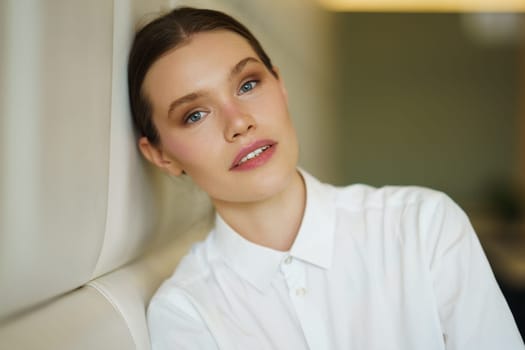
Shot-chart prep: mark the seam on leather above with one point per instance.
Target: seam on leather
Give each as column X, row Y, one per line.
column 108, row 188
column 100, row 289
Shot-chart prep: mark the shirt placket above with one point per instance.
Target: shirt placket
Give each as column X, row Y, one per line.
column 294, row 272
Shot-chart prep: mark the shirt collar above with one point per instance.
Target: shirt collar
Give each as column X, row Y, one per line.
column 313, row 244
column 315, row 241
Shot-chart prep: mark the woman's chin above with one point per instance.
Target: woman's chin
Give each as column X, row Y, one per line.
column 261, row 186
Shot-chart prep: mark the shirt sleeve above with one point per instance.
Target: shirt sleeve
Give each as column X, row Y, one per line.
column 472, row 309
column 174, row 323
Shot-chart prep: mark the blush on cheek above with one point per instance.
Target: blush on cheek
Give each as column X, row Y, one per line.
column 177, row 149
column 190, row 152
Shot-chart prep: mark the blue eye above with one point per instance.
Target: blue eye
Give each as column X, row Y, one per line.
column 249, row 85
column 194, row 117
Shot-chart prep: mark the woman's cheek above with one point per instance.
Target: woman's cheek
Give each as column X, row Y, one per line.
column 179, row 149
column 192, row 152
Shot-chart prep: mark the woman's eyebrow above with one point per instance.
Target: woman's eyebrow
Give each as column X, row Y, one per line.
column 241, row 64
column 184, row 99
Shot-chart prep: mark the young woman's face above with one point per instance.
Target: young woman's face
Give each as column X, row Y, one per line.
column 223, row 119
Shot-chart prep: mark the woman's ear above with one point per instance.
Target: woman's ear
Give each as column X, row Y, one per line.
column 157, row 157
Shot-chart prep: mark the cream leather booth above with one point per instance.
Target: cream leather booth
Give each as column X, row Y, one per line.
column 87, row 230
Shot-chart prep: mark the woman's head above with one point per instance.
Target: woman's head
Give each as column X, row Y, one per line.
column 207, row 102
column 164, row 34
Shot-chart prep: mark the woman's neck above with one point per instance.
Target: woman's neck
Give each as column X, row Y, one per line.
column 273, row 222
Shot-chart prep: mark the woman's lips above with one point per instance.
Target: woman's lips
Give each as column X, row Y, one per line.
column 254, row 155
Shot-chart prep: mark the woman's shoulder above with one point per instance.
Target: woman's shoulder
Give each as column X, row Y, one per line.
column 361, row 196
column 177, row 292
column 406, row 211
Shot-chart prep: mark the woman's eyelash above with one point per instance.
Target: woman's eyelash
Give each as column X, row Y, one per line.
column 194, row 117
column 248, row 86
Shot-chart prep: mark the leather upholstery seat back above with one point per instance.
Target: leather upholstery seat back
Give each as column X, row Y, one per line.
column 87, row 229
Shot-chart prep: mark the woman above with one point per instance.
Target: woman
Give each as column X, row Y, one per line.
column 293, row 263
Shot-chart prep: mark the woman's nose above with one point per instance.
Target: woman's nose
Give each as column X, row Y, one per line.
column 237, row 123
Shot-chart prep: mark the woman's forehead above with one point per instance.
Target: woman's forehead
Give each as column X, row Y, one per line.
column 203, row 59
column 211, row 49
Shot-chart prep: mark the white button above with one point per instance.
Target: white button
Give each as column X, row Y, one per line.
column 288, row 260
column 300, row 292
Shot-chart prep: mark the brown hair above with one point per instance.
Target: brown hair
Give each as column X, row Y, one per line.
column 166, row 33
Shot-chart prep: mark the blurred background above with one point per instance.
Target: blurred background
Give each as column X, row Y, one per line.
column 381, row 92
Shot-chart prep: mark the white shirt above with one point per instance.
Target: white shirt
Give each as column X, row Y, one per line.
column 390, row 268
